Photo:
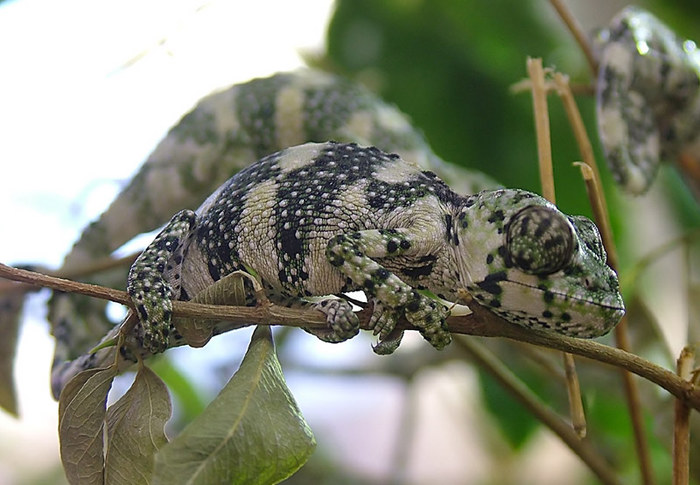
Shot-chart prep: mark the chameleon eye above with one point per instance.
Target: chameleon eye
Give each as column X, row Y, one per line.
column 540, row 240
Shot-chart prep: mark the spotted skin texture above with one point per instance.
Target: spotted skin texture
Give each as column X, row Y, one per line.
column 648, row 97
column 224, row 133
column 322, row 219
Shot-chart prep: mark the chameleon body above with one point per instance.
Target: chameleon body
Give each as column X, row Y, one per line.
column 648, row 98
column 320, row 219
column 225, row 132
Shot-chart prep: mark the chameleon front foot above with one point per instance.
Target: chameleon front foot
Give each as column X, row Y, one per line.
column 429, row 317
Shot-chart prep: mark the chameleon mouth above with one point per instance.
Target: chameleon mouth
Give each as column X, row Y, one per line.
column 612, row 302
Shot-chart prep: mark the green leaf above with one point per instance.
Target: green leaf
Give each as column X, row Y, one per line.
column 10, row 312
column 135, row 430
column 81, row 413
column 251, row 433
column 229, row 290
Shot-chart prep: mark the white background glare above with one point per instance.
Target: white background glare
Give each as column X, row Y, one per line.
column 87, row 90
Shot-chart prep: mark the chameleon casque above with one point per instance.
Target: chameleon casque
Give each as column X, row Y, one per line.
column 316, row 219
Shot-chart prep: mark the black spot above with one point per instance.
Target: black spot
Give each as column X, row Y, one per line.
column 491, row 283
column 417, row 271
column 448, row 224
column 489, row 259
column 143, row 315
column 503, row 253
column 214, row 272
column 495, row 303
column 413, row 305
column 547, row 314
column 566, row 317
column 496, row 216
column 336, row 260
column 548, row 296
column 392, row 246
column 382, row 274
column 543, row 226
column 405, row 244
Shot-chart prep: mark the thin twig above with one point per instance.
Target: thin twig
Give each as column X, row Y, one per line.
column 544, row 151
column 563, row 89
column 576, row 30
column 480, row 323
column 544, row 140
column 97, row 266
column 632, row 275
column 594, row 188
column 681, row 422
column 582, row 448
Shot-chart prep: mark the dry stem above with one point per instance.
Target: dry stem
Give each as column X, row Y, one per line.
column 544, row 151
column 576, row 30
column 591, row 176
column 681, row 425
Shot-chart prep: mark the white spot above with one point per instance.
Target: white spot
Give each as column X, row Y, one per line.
column 618, row 56
column 642, row 48
column 613, row 128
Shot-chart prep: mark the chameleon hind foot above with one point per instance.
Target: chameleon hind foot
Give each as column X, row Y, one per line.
column 343, row 323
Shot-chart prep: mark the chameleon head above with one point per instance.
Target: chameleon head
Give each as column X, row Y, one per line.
column 522, row 258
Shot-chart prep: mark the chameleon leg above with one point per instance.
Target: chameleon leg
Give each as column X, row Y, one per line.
column 353, row 255
column 147, row 285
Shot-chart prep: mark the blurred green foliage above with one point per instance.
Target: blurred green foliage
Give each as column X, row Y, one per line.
column 450, row 64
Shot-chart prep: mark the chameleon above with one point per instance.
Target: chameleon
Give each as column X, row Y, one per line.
column 320, row 219
column 647, row 99
column 222, row 134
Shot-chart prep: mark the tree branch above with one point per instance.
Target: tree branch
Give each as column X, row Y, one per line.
column 481, row 323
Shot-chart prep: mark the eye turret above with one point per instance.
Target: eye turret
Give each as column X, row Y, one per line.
column 540, row 240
